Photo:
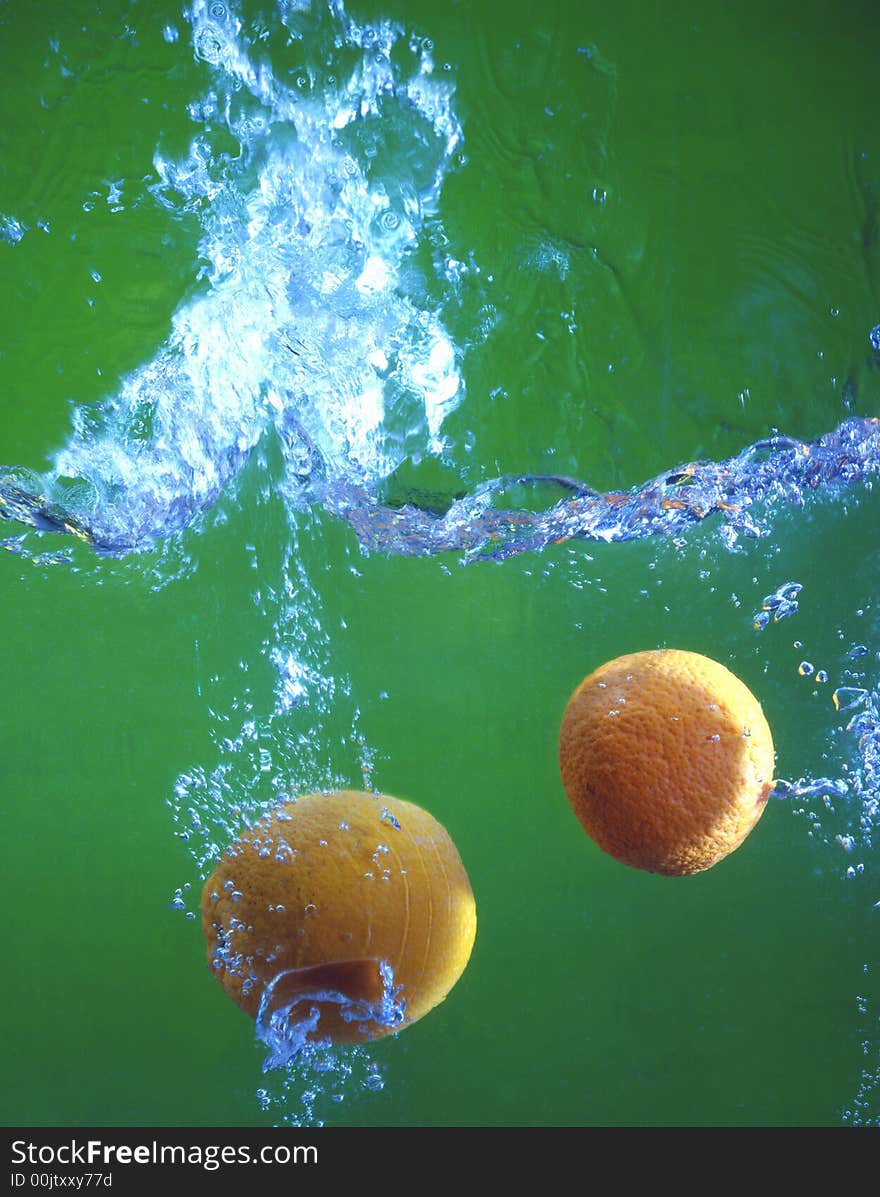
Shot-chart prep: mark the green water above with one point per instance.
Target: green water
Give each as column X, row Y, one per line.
column 725, row 286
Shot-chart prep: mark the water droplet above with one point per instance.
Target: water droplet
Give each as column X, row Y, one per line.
column 805, row 669
column 387, row 817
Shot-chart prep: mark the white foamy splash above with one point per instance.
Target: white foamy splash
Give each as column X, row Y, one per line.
column 306, row 322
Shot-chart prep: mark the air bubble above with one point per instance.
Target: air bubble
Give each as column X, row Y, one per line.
column 208, row 45
column 11, row 231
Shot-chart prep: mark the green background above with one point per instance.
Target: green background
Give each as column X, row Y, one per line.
column 726, row 286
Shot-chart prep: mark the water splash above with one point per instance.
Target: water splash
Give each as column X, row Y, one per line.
column 305, row 324
column 319, row 322
column 743, row 491
column 291, row 1036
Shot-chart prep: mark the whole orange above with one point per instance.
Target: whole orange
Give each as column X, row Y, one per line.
column 667, row 760
column 323, row 896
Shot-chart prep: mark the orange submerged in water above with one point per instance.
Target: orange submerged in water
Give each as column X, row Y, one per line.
column 667, row 760
column 322, row 893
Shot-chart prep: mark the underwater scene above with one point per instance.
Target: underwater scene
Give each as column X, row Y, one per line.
column 371, row 374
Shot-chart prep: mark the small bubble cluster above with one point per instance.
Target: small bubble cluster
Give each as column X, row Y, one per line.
column 779, row 605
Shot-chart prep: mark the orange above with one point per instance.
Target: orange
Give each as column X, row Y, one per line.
column 667, row 760
column 323, row 893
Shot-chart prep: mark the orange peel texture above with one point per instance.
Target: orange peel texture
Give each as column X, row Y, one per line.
column 325, row 890
column 667, row 760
